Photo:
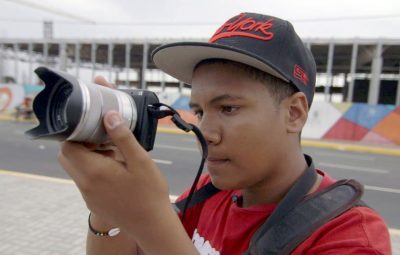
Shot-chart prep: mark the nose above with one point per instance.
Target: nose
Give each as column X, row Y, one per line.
column 210, row 130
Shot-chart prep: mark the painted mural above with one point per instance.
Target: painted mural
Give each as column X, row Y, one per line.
column 11, row 95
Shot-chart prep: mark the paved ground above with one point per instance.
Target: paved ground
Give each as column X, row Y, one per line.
column 41, row 216
column 46, row 215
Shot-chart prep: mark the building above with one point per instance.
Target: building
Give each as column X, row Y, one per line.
column 349, row 70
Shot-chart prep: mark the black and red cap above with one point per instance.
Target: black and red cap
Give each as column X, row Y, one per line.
column 267, row 43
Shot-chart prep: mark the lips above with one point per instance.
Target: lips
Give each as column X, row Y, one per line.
column 212, row 161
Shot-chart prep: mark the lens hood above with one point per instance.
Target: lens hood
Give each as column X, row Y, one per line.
column 60, row 100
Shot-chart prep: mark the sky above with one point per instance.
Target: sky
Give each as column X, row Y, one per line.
column 183, row 19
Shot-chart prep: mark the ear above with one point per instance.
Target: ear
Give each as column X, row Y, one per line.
column 297, row 111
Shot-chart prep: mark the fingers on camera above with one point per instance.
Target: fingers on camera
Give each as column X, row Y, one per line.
column 102, row 81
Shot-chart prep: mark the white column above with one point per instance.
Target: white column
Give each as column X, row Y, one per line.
column 329, row 64
column 353, row 66
column 30, row 69
column 127, row 62
column 16, row 64
column 181, row 84
column 93, row 58
column 110, row 61
column 376, row 69
column 62, row 52
column 46, row 53
column 162, row 81
column 144, row 66
column 77, row 59
column 1, row 62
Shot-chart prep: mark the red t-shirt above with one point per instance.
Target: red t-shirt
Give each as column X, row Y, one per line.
column 219, row 226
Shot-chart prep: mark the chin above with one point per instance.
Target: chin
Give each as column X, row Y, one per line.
column 224, row 183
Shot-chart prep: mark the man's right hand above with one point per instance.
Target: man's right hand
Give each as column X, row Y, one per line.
column 123, row 243
column 131, row 194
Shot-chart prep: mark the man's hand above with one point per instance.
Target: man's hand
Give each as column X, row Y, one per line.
column 129, row 193
column 113, row 190
column 109, row 150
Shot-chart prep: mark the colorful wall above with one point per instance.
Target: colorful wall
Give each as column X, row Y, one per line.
column 355, row 122
column 11, row 95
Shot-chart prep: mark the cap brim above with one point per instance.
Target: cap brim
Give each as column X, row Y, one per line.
column 180, row 59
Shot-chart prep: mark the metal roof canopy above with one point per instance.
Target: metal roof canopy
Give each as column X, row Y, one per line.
column 342, row 50
column 371, row 57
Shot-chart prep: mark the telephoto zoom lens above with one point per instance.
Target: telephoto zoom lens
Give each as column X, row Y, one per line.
column 68, row 109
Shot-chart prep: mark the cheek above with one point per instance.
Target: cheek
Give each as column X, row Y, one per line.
column 257, row 144
column 252, row 149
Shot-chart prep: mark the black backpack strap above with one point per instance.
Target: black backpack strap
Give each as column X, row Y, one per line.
column 199, row 196
column 295, row 195
column 313, row 212
column 361, row 203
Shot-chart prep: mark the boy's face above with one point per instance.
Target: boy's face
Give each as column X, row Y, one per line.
column 244, row 127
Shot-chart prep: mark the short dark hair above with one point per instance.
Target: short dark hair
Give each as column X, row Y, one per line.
column 278, row 88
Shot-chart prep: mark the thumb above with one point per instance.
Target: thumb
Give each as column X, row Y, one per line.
column 122, row 136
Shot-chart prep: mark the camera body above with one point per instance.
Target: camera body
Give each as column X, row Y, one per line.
column 146, row 124
column 68, row 109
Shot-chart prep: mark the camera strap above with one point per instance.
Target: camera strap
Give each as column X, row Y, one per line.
column 155, row 111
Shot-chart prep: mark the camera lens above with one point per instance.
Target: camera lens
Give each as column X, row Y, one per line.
column 57, row 107
column 68, row 109
column 94, row 102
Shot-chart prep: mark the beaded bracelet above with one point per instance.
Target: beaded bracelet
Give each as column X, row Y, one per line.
column 111, row 232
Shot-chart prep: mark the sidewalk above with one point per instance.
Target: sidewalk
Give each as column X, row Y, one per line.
column 41, row 215
column 47, row 216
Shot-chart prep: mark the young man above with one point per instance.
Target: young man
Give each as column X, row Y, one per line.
column 252, row 86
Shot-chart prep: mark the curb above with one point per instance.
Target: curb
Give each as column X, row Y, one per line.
column 12, row 118
column 351, row 147
column 54, row 179
column 174, row 131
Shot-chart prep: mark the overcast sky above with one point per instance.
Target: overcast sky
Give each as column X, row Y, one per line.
column 194, row 19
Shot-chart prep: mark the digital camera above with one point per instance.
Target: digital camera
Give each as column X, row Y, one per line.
column 69, row 109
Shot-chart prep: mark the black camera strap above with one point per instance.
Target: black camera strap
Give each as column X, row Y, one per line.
column 187, row 127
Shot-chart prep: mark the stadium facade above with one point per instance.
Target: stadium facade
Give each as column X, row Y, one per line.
column 349, row 70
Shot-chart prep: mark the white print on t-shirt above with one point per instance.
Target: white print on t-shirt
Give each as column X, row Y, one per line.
column 203, row 246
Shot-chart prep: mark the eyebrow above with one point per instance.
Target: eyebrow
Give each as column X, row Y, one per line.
column 217, row 99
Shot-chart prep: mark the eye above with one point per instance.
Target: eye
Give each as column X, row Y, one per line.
column 229, row 109
column 198, row 113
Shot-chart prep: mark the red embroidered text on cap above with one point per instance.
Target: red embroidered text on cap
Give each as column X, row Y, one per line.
column 245, row 26
column 300, row 74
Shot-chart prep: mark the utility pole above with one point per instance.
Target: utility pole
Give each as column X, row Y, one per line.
column 48, row 29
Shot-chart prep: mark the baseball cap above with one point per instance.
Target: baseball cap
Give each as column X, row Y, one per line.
column 267, row 43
